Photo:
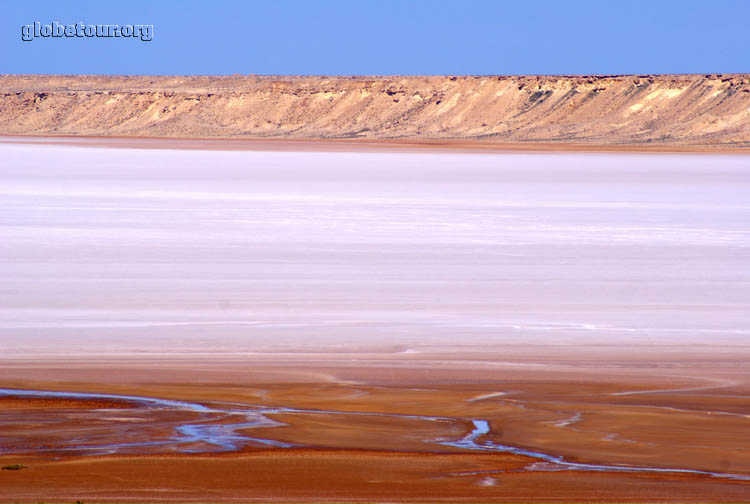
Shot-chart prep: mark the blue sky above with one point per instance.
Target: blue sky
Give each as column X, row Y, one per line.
column 386, row 37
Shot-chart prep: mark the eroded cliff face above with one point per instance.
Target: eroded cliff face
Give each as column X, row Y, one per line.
column 671, row 109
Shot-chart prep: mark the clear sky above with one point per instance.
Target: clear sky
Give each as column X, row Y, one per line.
column 385, row 37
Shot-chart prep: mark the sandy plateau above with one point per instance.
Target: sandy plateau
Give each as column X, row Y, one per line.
column 193, row 322
column 710, row 111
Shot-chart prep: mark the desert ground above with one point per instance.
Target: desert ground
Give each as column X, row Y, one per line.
column 357, row 432
column 359, row 323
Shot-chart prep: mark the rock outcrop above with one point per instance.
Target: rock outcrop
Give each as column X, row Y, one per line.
column 634, row 109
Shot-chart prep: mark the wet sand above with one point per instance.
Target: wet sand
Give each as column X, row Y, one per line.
column 370, row 450
column 590, row 308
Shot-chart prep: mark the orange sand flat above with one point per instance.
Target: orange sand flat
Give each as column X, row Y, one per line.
column 359, row 458
column 320, row 476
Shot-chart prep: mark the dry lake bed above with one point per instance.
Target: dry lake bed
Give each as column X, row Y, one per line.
column 373, row 325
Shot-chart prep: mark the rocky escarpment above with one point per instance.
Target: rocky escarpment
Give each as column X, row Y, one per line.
column 636, row 109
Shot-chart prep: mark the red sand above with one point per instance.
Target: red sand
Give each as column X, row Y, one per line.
column 356, row 459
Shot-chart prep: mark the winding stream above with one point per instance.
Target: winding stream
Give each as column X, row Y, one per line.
column 558, row 463
column 213, row 436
